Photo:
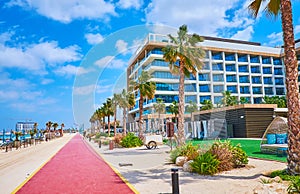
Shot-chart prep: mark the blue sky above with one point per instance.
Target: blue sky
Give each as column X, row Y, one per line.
column 61, row 59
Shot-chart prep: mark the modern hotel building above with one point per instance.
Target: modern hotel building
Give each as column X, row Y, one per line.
column 246, row 69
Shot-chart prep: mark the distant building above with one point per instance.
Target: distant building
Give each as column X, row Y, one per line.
column 27, row 126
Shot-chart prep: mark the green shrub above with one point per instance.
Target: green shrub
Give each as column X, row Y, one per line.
column 188, row 150
column 294, row 186
column 97, row 136
column 130, row 140
column 222, row 151
column 283, row 174
column 103, row 134
column 205, row 164
column 240, row 157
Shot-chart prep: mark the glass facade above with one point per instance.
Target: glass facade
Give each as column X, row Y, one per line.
column 256, row 90
column 269, row 91
column 243, row 68
column 256, row 80
column 190, row 87
column 277, row 61
column 167, row 98
column 190, row 98
column 244, row 79
column 218, row 88
column 267, row 70
column 254, row 59
column 204, row 77
column 218, row 99
column 242, row 58
column 280, row 91
column 230, row 67
column 278, row 71
column 266, row 60
column 255, row 69
column 167, row 87
column 268, row 80
column 230, row 78
column 217, row 56
column 229, row 57
column 202, row 98
column 218, row 77
column 232, row 89
column 279, row 81
column 204, row 88
column 244, row 90
column 217, row 67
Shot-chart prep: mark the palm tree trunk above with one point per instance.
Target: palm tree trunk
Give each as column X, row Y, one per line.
column 115, row 121
column 291, row 67
column 124, row 121
column 108, row 124
column 141, row 101
column 181, row 138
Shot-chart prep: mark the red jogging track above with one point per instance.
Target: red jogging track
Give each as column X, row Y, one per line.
column 76, row 168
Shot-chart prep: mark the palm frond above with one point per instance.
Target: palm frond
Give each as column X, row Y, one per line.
column 254, row 7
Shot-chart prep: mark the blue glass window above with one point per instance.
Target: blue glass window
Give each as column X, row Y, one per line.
column 192, row 77
column 277, row 61
column 269, row 91
column 217, row 56
column 243, row 68
column 255, row 69
column 232, row 89
column 257, row 100
column 218, row 88
column 217, row 67
column 266, row 60
column 244, row 79
column 206, row 66
column 230, row 78
column 164, row 75
column 256, row 90
column 159, row 62
column 268, row 80
column 280, row 91
column 204, row 88
column 229, row 57
column 256, row 80
column 167, row 87
column 254, row 59
column 156, row 51
column 278, row 71
column 204, row 77
column 202, row 98
column 187, row 99
column 190, row 87
column 267, row 70
column 218, row 77
column 218, row 99
column 242, row 58
column 279, row 81
column 244, row 90
column 167, row 98
column 230, row 67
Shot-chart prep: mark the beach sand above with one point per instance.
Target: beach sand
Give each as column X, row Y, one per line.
column 149, row 171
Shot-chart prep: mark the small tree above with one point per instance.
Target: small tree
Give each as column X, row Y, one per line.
column 160, row 108
column 191, row 107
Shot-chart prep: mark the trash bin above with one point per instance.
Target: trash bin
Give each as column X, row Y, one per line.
column 111, row 145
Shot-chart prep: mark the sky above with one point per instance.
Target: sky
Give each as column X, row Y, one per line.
column 61, row 59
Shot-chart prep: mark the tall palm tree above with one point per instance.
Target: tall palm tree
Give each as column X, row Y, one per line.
column 55, row 125
column 274, row 7
column 160, row 108
column 126, row 101
column 62, row 129
column 191, row 107
column 115, row 102
column 146, row 89
column 185, row 58
column 173, row 108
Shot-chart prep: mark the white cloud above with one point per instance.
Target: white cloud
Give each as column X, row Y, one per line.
column 110, row 63
column 205, row 18
column 103, row 61
column 71, row 70
column 35, row 57
column 125, row 4
column 67, row 10
column 47, row 81
column 297, row 29
column 84, row 90
column 245, row 34
column 103, row 88
column 275, row 38
column 121, row 46
column 93, row 38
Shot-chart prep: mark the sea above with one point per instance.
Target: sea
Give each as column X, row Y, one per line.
column 8, row 136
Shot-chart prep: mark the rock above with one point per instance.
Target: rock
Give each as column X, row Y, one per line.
column 187, row 166
column 277, row 179
column 180, row 160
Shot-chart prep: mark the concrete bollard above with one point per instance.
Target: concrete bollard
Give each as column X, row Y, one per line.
column 175, row 181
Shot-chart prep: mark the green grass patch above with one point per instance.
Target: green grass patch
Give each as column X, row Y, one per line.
column 251, row 147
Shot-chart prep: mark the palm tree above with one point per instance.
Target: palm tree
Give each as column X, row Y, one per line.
column 227, row 99
column 146, row 89
column 280, row 101
column 191, row 107
column 126, row 101
column 108, row 109
column 173, row 108
column 207, row 105
column 55, row 125
column 49, row 125
column 115, row 102
column 185, row 57
column 274, row 7
column 62, row 129
column 160, row 108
